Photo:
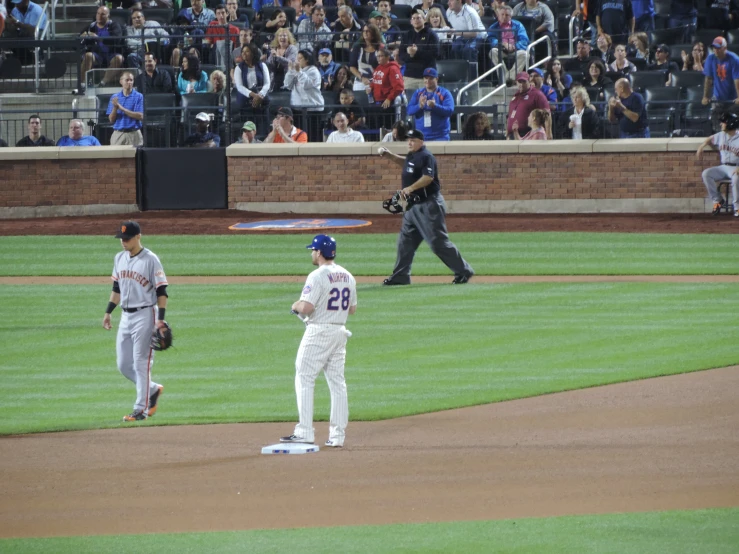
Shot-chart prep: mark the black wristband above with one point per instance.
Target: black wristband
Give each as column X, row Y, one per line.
column 110, row 308
column 161, row 314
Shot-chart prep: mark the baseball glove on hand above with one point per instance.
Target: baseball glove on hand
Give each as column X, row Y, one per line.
column 162, row 338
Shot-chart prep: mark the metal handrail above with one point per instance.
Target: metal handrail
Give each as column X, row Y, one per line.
column 471, row 84
column 40, row 19
column 573, row 20
column 37, row 50
column 530, row 47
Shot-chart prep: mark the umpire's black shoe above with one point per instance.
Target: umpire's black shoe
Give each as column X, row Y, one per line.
column 295, row 438
column 462, row 279
column 390, row 283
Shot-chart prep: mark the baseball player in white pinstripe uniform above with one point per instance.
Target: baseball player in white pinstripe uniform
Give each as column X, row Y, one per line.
column 727, row 143
column 329, row 297
column 140, row 287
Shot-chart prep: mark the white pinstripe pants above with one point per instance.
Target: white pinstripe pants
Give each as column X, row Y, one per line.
column 323, row 348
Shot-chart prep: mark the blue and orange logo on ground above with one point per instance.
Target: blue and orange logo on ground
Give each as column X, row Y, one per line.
column 299, row 224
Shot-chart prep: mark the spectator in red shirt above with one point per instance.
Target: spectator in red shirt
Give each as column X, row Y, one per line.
column 387, row 86
column 526, row 100
column 214, row 43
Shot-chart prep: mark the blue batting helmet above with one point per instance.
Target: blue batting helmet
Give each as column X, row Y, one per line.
column 325, row 245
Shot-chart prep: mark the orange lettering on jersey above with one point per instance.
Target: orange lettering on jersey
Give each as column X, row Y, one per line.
column 722, row 71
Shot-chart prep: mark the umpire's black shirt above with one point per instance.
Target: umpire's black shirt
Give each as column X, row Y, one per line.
column 418, row 164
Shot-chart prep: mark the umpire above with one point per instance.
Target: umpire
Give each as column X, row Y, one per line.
column 425, row 215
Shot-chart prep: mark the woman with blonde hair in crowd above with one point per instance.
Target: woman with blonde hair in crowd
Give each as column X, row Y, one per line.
column 282, row 52
column 639, row 43
column 581, row 120
column 439, row 25
column 540, row 122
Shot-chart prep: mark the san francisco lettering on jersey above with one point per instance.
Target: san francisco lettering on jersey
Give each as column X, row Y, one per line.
column 140, row 279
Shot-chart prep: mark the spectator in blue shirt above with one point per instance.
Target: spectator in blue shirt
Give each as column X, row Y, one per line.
column 76, row 136
column 629, row 110
column 537, row 80
column 432, row 107
column 21, row 23
column 722, row 74
column 644, row 15
column 510, row 37
column 259, row 4
column 126, row 112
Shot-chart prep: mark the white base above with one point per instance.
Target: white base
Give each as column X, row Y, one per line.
column 290, row 448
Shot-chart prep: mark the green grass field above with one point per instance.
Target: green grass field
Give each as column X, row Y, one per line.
column 489, row 254
column 692, row 532
column 235, row 347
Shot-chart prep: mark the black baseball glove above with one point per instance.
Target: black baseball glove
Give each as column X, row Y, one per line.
column 399, row 202
column 162, row 338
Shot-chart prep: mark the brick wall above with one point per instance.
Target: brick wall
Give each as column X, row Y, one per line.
column 30, row 183
column 618, row 176
column 467, row 178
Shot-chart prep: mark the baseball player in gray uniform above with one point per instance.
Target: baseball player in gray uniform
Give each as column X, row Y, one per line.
column 329, row 297
column 140, row 287
column 727, row 143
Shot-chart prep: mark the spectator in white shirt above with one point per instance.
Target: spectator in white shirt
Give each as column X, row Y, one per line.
column 344, row 132
column 469, row 30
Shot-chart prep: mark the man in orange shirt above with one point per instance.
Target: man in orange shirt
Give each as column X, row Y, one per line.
column 283, row 130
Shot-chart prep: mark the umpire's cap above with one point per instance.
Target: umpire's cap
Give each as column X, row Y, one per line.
column 128, row 230
column 325, row 245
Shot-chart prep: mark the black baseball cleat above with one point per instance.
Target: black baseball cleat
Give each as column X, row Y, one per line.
column 154, row 399
column 462, row 279
column 295, row 438
column 138, row 415
column 717, row 206
column 390, row 283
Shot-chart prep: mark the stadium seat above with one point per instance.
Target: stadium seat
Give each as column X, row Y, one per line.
column 732, row 37
column 103, row 127
column 642, row 80
column 706, row 36
column 452, row 70
column 403, row 11
column 159, row 111
column 666, row 36
column 662, row 109
column 687, row 79
column 120, row 16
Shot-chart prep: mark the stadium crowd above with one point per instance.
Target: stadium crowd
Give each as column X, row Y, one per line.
column 345, row 70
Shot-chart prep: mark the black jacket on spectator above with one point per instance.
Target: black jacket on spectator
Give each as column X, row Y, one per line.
column 160, row 82
column 3, row 144
column 668, row 67
column 600, row 85
column 575, row 64
column 42, row 141
column 114, row 42
column 428, row 50
column 591, row 124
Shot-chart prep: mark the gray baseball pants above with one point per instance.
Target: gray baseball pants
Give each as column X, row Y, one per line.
column 426, row 222
column 713, row 175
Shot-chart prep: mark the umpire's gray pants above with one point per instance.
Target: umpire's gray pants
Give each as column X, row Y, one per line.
column 713, row 175
column 426, row 222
